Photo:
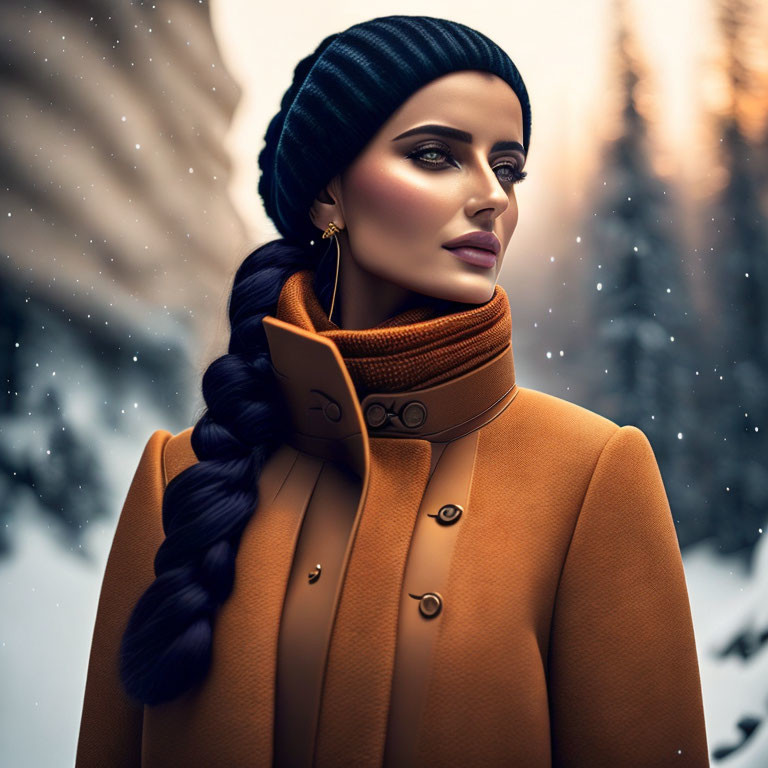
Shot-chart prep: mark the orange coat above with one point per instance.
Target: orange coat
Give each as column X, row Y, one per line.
column 473, row 574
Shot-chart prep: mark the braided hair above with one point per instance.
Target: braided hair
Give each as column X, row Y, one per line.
column 166, row 647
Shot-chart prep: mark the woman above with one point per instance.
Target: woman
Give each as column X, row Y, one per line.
column 374, row 548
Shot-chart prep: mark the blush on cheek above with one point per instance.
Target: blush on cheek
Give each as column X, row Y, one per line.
column 385, row 199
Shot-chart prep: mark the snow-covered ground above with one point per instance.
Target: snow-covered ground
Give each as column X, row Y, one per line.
column 48, row 601
column 730, row 611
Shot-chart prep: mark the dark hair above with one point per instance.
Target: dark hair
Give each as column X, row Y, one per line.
column 166, row 648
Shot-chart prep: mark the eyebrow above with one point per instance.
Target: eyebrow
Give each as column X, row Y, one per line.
column 455, row 133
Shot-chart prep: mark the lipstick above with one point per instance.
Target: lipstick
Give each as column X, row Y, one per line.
column 478, row 248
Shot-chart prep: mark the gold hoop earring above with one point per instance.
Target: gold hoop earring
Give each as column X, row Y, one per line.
column 330, row 231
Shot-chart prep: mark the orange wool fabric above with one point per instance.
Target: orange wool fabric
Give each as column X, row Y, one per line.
column 565, row 640
column 412, row 350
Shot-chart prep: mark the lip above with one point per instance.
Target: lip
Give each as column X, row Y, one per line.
column 478, row 257
column 485, row 241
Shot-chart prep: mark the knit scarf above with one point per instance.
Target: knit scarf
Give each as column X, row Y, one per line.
column 415, row 349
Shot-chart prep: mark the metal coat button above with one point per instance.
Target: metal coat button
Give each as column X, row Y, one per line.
column 414, row 414
column 449, row 514
column 430, row 604
column 375, row 414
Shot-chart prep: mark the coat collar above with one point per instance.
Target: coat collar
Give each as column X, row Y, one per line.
column 328, row 419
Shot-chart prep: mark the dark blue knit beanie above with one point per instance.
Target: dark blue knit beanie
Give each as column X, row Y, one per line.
column 347, row 89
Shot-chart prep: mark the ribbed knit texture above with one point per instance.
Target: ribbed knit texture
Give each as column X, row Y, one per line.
column 346, row 89
column 411, row 350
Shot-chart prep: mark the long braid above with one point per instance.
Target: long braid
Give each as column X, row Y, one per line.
column 166, row 647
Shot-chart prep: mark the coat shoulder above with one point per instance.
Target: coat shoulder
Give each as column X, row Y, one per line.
column 556, row 420
column 178, row 454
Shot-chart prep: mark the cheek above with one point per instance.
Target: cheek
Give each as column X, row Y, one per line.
column 509, row 218
column 396, row 200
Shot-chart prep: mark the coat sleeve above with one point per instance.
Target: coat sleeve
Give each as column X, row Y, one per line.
column 111, row 723
column 623, row 672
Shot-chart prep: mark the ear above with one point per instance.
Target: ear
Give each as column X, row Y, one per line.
column 326, row 207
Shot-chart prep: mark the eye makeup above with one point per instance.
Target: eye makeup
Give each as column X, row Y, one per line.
column 512, row 176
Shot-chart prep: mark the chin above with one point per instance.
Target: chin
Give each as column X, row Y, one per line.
column 463, row 288
column 477, row 295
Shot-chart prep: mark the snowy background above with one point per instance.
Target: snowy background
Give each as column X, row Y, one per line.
column 637, row 277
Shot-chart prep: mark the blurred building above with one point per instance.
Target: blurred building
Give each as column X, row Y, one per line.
column 118, row 240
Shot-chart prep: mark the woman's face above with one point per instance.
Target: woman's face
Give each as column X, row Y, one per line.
column 413, row 189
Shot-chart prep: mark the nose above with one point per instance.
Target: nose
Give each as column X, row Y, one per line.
column 486, row 193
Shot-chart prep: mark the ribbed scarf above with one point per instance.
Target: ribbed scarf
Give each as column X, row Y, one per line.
column 411, row 350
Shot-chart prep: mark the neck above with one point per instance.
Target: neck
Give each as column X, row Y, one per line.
column 364, row 300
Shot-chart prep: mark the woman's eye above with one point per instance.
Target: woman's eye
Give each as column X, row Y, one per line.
column 430, row 155
column 511, row 173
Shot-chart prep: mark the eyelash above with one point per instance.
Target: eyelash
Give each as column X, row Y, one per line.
column 518, row 176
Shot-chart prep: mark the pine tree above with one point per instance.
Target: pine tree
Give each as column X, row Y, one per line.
column 644, row 341
column 738, row 398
